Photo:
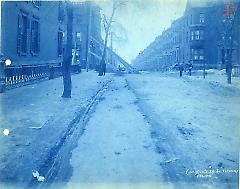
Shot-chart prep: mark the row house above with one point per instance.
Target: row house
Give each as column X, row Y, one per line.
column 32, row 32
column 196, row 38
column 87, row 33
column 87, row 39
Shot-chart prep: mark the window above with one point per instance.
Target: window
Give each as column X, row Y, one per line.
column 197, row 35
column 23, row 28
column 60, row 43
column 198, row 54
column 192, row 35
column 195, row 54
column 35, row 37
column 201, row 33
column 201, row 54
column 201, row 18
column 78, row 38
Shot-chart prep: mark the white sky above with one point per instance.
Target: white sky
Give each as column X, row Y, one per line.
column 142, row 20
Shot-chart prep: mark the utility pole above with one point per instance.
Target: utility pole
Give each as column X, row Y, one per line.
column 89, row 35
column 67, row 59
column 231, row 9
column 204, row 69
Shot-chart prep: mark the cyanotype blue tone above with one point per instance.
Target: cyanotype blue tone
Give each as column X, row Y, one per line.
column 120, row 94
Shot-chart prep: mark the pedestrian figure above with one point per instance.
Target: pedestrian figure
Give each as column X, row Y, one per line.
column 181, row 69
column 104, row 67
column 51, row 73
column 190, row 69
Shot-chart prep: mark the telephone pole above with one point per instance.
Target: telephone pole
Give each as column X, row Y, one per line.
column 230, row 13
column 89, row 35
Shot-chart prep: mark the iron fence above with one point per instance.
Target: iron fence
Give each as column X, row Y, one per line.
column 16, row 76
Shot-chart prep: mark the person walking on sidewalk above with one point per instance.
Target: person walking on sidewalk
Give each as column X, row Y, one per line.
column 104, row 67
column 181, row 69
column 190, row 67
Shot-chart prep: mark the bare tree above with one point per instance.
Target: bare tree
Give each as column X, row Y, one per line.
column 66, row 69
column 231, row 32
column 119, row 33
column 107, row 27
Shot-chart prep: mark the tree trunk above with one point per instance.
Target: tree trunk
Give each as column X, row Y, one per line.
column 105, row 40
column 230, row 60
column 66, row 69
column 229, row 68
column 89, row 28
column 104, row 54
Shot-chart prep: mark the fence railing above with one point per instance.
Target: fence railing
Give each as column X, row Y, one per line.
column 15, row 76
column 236, row 70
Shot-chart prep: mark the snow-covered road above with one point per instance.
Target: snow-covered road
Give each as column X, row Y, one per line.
column 146, row 130
column 116, row 148
column 163, row 132
column 195, row 126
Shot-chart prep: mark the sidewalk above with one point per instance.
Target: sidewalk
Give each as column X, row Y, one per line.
column 36, row 117
column 212, row 75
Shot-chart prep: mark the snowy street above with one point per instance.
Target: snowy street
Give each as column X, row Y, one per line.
column 132, row 131
column 116, row 146
column 118, row 94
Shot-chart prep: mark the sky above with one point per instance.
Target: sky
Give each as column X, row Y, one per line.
column 138, row 22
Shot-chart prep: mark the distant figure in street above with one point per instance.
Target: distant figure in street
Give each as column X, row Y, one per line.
column 190, row 67
column 104, row 67
column 181, row 69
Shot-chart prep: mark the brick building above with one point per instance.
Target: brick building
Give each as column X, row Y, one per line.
column 32, row 32
column 196, row 37
column 87, row 32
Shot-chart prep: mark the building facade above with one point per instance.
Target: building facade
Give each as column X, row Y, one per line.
column 196, row 38
column 87, row 33
column 32, row 32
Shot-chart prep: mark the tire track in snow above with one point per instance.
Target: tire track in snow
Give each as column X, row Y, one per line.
column 55, row 162
column 170, row 141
